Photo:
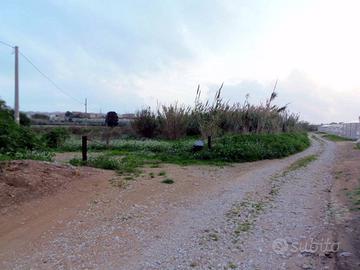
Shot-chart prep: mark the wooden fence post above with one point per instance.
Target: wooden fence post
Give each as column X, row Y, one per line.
column 84, row 147
column 209, row 142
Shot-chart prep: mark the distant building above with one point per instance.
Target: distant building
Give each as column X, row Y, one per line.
column 129, row 116
column 57, row 117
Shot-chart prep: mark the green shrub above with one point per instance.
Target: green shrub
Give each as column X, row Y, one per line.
column 17, row 141
column 145, row 123
column 173, row 121
column 253, row 147
column 14, row 137
column 56, row 137
column 168, row 181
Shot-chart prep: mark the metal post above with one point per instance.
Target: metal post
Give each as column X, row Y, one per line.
column 84, row 147
column 16, row 106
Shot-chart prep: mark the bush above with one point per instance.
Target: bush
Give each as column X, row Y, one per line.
column 193, row 126
column 19, row 142
column 173, row 121
column 145, row 123
column 56, row 137
column 251, row 147
column 239, row 148
column 15, row 138
column 216, row 118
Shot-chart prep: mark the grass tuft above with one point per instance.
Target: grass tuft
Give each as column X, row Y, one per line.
column 168, row 181
column 354, row 196
column 162, row 173
column 302, row 162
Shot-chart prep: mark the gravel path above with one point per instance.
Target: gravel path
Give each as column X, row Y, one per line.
column 261, row 215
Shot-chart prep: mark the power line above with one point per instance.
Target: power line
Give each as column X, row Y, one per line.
column 42, row 73
column 48, row 78
column 6, row 44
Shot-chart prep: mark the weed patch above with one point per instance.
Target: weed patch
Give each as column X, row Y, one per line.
column 168, row 181
column 302, row 162
column 128, row 156
column 162, row 173
column 335, row 138
column 354, row 196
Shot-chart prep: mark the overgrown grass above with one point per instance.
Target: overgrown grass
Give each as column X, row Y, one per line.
column 232, row 148
column 127, row 156
column 302, row 162
column 123, row 165
column 336, row 138
column 27, row 154
column 130, row 145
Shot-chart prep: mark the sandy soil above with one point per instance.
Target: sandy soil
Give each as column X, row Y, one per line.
column 245, row 216
column 346, row 214
column 23, row 180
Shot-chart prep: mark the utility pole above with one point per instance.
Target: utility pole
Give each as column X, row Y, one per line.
column 16, row 107
column 85, row 105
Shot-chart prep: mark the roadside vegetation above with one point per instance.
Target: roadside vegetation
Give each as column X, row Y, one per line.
column 19, row 141
column 302, row 162
column 335, row 138
column 127, row 156
column 354, row 197
column 230, row 133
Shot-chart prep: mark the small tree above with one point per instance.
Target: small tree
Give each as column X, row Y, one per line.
column 69, row 116
column 208, row 115
column 112, row 119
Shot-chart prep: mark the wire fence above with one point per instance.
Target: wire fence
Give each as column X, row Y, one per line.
column 347, row 130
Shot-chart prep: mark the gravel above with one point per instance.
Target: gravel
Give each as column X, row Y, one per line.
column 262, row 219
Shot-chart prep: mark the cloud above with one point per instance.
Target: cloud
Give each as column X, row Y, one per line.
column 314, row 102
column 124, row 54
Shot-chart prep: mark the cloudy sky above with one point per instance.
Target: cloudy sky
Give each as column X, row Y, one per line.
column 124, row 54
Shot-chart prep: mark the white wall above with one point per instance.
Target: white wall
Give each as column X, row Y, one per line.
column 347, row 130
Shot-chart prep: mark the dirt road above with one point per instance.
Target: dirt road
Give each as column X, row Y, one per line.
column 273, row 214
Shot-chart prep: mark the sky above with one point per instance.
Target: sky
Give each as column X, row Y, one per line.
column 124, row 55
